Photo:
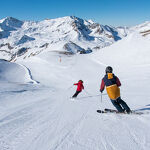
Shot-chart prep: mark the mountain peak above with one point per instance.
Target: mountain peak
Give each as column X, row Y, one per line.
column 10, row 19
column 10, row 23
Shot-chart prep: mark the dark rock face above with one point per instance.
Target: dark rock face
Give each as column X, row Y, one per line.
column 25, row 39
column 22, row 51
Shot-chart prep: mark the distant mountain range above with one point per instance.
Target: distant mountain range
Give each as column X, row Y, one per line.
column 24, row 39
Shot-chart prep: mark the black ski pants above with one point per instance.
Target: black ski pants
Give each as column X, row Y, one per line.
column 120, row 105
column 76, row 93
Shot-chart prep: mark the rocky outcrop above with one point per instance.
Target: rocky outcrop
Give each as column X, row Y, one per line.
column 73, row 48
column 25, row 39
column 8, row 46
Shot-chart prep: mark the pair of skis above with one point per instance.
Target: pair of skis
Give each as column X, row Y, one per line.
column 116, row 112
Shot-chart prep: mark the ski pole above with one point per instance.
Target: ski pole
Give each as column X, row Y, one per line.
column 101, row 97
column 104, row 94
column 70, row 87
column 87, row 92
column 101, row 101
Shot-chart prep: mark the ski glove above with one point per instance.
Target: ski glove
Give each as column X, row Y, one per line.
column 101, row 91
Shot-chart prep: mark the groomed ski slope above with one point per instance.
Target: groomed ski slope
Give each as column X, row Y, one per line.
column 40, row 115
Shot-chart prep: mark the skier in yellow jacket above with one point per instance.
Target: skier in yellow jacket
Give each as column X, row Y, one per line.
column 112, row 84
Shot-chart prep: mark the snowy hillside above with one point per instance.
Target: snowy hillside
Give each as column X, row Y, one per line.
column 143, row 29
column 36, row 112
column 134, row 50
column 25, row 39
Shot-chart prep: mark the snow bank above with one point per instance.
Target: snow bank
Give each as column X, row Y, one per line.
column 12, row 72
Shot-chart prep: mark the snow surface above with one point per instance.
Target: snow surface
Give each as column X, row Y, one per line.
column 40, row 115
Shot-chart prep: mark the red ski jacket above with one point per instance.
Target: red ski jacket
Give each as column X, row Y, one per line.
column 79, row 86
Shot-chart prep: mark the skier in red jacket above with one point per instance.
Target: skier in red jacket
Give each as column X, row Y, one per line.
column 80, row 87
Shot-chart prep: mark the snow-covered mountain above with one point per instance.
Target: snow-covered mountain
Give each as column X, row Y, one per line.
column 143, row 29
column 24, row 39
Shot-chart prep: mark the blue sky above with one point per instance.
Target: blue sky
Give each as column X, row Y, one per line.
column 110, row 12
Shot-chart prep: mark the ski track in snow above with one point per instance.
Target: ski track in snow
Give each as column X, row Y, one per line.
column 30, row 122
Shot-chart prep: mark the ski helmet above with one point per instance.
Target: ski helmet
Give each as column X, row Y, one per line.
column 80, row 81
column 109, row 69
